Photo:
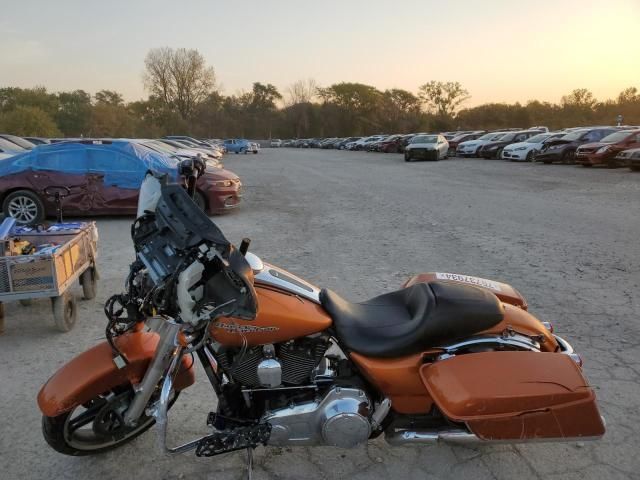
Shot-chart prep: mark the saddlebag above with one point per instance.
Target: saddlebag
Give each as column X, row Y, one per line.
column 515, row 395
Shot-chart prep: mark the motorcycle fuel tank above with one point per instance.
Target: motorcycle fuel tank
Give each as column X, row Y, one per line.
column 282, row 316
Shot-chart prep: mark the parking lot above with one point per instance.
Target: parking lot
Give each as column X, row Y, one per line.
column 360, row 224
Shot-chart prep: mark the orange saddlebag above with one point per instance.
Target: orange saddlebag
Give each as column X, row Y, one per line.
column 515, row 395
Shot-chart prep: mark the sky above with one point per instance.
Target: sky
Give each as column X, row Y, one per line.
column 501, row 51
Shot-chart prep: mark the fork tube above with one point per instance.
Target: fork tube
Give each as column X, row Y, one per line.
column 167, row 349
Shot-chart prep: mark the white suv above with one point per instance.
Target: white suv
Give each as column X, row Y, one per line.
column 276, row 143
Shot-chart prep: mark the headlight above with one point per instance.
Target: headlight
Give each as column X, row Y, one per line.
column 603, row 149
column 223, row 183
column 520, row 148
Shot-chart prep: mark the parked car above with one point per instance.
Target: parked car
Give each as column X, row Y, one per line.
column 276, row 143
column 526, row 151
column 463, row 137
column 37, row 140
column 104, row 177
column 494, row 148
column 606, row 150
column 472, row 148
column 189, row 141
column 630, row 158
column 21, row 142
column 238, row 145
column 179, row 153
column 426, row 147
column 184, row 145
column 391, row 144
column 341, row 145
column 563, row 149
column 9, row 149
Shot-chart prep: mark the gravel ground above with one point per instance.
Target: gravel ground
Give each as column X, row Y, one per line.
column 360, row 224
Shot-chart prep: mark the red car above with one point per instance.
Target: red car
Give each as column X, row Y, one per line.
column 103, row 178
column 605, row 151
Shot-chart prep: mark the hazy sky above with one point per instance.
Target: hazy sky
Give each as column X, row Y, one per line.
column 499, row 50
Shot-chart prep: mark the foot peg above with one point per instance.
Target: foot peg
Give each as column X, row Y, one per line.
column 239, row 438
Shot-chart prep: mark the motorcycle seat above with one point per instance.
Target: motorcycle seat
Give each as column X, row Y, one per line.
column 412, row 319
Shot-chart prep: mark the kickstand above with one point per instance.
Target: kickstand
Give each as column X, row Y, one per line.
column 249, row 463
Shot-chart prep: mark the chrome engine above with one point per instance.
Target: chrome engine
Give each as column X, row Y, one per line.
column 288, row 364
column 339, row 419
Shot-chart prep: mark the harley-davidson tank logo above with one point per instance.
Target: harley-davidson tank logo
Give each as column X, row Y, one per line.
column 235, row 328
column 480, row 282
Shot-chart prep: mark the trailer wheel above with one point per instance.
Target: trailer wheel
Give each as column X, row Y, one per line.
column 65, row 311
column 89, row 283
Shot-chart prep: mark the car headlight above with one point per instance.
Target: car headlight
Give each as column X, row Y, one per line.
column 520, row 148
column 223, row 183
column 603, row 149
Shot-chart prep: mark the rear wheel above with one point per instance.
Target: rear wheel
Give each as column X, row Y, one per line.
column 568, row 158
column 89, row 283
column 65, row 311
column 25, row 206
column 96, row 426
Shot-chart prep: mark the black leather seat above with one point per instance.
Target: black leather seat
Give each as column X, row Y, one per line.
column 412, row 319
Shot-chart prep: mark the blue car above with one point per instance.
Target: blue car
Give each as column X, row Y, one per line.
column 240, row 145
column 102, row 177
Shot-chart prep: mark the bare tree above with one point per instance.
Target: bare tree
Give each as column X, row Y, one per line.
column 180, row 78
column 302, row 91
column 443, row 97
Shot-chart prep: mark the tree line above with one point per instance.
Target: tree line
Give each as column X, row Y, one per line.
column 185, row 98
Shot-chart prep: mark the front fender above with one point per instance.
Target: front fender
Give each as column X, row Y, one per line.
column 93, row 372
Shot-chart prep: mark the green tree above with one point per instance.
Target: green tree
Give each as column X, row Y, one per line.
column 28, row 121
column 74, row 113
column 109, row 97
column 443, row 98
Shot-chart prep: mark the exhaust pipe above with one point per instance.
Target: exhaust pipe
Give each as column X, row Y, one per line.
column 400, row 438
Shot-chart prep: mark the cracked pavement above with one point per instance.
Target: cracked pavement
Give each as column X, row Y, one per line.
column 360, row 224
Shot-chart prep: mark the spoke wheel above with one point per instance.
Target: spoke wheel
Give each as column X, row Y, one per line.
column 96, row 426
column 24, row 206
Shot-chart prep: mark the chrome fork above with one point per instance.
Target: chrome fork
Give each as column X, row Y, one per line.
column 167, row 351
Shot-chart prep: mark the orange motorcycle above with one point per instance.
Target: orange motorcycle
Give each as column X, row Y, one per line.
column 446, row 358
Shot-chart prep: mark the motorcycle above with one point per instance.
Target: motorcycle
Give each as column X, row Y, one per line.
column 446, row 358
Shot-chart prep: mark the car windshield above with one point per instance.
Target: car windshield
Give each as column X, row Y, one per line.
column 424, row 139
column 487, row 136
column 21, row 142
column 574, row 135
column 10, row 146
column 538, row 138
column 616, row 137
column 499, row 136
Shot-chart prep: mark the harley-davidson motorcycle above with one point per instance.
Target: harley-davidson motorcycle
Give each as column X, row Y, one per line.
column 446, row 358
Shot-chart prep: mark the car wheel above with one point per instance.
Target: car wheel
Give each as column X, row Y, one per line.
column 499, row 154
column 635, row 168
column 407, row 157
column 530, row 156
column 24, row 206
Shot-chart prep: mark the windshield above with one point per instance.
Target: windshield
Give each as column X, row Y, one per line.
column 574, row 135
column 424, row 139
column 19, row 141
column 498, row 136
column 616, row 137
column 7, row 145
column 159, row 147
column 487, row 136
column 538, row 138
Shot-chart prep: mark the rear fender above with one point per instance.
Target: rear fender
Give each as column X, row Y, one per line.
column 93, row 372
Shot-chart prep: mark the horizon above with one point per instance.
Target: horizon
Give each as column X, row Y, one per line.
column 360, row 42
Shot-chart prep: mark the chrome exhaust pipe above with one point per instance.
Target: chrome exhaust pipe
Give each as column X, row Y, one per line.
column 400, row 438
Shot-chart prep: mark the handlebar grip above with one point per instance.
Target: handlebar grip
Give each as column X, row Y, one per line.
column 244, row 245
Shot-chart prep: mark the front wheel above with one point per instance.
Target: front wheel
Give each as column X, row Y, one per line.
column 97, row 426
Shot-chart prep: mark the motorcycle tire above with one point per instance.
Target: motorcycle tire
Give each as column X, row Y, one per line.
column 56, row 433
